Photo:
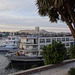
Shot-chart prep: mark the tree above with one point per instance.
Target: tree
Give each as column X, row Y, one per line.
column 63, row 10
column 71, row 71
column 54, row 53
column 72, row 51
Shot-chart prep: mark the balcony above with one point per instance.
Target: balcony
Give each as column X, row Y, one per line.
column 31, row 49
column 31, row 43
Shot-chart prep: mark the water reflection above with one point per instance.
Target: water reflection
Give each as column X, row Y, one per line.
column 23, row 65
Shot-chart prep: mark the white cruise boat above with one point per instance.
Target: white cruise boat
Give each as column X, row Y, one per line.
column 11, row 44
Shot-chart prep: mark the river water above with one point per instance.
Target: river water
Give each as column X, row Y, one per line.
column 6, row 66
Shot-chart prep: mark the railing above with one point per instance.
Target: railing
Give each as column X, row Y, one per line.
column 31, row 48
column 31, row 43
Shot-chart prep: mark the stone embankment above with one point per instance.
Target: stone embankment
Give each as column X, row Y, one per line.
column 52, row 69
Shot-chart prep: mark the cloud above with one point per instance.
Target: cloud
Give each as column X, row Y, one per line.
column 16, row 4
column 19, row 23
column 22, row 14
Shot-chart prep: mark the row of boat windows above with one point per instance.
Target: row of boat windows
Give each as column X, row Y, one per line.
column 11, row 42
column 31, row 46
column 41, row 46
column 58, row 39
column 6, row 45
column 66, row 44
column 11, row 38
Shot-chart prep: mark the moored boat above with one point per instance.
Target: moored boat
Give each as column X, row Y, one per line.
column 11, row 44
column 22, row 56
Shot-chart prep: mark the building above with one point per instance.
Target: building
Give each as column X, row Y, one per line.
column 35, row 43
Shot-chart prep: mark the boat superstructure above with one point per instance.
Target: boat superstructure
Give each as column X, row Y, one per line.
column 35, row 43
column 11, row 44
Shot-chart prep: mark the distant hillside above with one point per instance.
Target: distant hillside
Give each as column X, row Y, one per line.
column 33, row 31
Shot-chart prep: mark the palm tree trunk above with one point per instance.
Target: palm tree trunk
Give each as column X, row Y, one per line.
column 69, row 24
column 71, row 13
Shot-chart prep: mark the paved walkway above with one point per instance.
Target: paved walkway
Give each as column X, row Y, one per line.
column 62, row 70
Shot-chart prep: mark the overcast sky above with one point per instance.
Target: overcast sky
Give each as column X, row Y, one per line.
column 23, row 14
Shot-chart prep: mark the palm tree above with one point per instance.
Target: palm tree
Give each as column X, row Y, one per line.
column 59, row 10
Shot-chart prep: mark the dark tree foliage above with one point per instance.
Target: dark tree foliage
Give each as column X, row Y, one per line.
column 54, row 53
column 72, row 71
column 63, row 10
column 72, row 51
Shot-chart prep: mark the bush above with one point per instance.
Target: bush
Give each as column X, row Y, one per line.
column 72, row 71
column 34, row 66
column 54, row 53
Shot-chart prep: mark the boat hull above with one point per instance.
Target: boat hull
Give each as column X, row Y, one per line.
column 25, row 59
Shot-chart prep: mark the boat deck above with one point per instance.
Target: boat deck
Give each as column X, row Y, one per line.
column 25, row 59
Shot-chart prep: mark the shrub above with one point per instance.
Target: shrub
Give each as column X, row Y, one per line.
column 72, row 71
column 34, row 66
column 54, row 53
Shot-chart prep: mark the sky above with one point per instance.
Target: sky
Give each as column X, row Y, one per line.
column 18, row 15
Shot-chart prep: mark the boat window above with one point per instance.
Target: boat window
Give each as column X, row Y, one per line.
column 13, row 45
column 67, row 44
column 71, row 39
column 27, row 46
column 58, row 39
column 42, row 40
column 41, row 46
column 53, row 39
column 14, row 42
column 13, row 38
column 63, row 39
column 48, row 40
column 67, row 39
column 4, row 45
column 71, row 43
column 9, row 38
column 27, row 39
column 34, row 53
column 34, row 46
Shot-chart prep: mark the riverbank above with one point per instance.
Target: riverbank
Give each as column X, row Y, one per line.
column 61, row 68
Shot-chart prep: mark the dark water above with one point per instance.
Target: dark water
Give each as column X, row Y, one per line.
column 7, row 67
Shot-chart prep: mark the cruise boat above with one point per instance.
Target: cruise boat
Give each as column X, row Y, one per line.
column 35, row 42
column 11, row 44
column 30, row 46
